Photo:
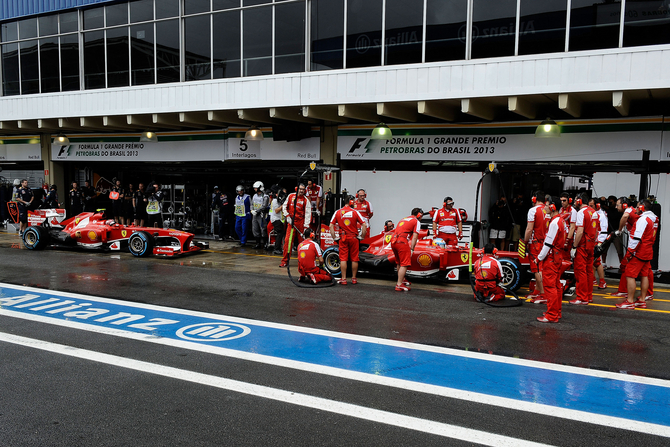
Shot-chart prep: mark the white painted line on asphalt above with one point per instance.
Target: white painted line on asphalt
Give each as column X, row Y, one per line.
column 451, row 393
column 345, row 409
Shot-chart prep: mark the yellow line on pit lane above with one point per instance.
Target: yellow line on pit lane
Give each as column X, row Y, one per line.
column 237, row 253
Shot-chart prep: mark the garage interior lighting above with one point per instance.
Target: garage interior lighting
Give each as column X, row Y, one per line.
column 148, row 137
column 254, row 134
column 548, row 129
column 62, row 139
column 381, row 132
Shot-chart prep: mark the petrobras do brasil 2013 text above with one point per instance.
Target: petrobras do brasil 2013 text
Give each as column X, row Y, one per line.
column 442, row 145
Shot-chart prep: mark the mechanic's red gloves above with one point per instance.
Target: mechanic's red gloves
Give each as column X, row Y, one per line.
column 460, row 235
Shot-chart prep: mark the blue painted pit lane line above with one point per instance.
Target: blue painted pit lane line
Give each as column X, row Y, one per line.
column 616, row 400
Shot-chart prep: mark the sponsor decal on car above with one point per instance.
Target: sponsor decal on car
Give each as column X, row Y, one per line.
column 424, row 260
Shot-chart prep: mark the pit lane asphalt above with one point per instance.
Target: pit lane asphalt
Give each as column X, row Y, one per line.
column 247, row 283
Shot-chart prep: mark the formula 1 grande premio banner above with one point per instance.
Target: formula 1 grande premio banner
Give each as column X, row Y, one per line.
column 508, row 142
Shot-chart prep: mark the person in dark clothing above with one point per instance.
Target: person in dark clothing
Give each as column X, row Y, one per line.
column 76, row 200
column 52, row 198
column 500, row 220
column 613, row 220
column 88, row 195
column 140, row 205
column 25, row 200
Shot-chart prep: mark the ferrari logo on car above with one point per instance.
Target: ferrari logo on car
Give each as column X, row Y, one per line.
column 124, row 233
column 387, row 238
column 464, row 257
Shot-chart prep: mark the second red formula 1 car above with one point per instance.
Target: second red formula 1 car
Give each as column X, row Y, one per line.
column 94, row 231
column 430, row 259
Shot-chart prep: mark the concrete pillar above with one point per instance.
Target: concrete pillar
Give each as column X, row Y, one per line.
column 329, row 154
column 54, row 173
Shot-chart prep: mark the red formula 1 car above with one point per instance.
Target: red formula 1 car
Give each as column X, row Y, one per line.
column 429, row 260
column 94, row 231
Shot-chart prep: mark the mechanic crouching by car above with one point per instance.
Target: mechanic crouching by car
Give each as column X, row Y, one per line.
column 310, row 260
column 488, row 275
column 550, row 260
column 297, row 209
column 403, row 247
column 348, row 220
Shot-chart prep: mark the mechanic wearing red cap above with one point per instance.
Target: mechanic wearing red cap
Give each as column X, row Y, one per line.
column 582, row 250
column 310, row 260
column 536, row 229
column 550, row 260
column 447, row 223
column 403, row 247
column 298, row 212
column 627, row 221
column 348, row 220
column 639, row 255
column 488, row 273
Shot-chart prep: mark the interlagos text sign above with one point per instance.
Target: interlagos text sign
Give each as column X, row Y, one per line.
column 512, row 147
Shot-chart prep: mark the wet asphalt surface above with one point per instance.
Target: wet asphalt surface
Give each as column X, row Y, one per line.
column 51, row 400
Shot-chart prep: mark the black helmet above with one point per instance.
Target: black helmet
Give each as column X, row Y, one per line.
column 54, row 187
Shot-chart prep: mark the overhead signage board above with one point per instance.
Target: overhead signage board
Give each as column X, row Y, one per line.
column 305, row 150
column 570, row 147
column 189, row 150
column 20, row 152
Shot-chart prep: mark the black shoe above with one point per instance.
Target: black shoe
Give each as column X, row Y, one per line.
column 257, row 246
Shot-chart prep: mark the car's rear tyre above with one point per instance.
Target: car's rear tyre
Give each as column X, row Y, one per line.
column 331, row 260
column 511, row 273
column 141, row 244
column 35, row 238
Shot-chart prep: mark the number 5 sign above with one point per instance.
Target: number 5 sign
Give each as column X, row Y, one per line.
column 241, row 149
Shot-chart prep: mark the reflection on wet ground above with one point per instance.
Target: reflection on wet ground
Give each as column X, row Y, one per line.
column 224, row 255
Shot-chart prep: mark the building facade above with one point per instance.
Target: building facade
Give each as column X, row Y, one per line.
column 461, row 83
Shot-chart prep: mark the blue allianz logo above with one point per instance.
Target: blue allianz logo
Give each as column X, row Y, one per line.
column 213, row 332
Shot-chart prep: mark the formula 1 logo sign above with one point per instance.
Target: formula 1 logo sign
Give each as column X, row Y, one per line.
column 211, row 332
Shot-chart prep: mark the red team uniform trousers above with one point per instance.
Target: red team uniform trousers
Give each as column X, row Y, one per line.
column 551, row 280
column 583, row 267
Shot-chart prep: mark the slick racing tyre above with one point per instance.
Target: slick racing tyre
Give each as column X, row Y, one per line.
column 35, row 238
column 141, row 244
column 331, row 260
column 511, row 273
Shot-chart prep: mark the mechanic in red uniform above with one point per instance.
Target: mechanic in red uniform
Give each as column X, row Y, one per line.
column 448, row 223
column 348, row 220
column 364, row 208
column 639, row 254
column 310, row 260
column 315, row 193
column 536, row 229
column 408, row 228
column 550, row 260
column 582, row 250
column 298, row 213
column 569, row 215
column 628, row 220
column 488, row 274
